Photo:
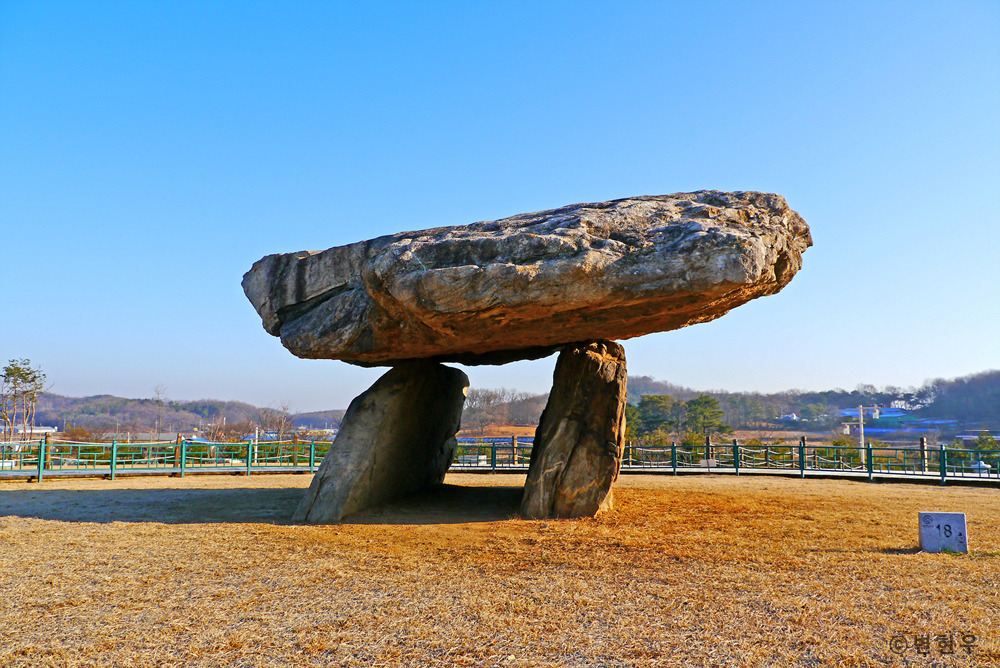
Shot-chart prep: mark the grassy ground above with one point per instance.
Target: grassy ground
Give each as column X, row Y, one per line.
column 499, row 431
column 697, row 570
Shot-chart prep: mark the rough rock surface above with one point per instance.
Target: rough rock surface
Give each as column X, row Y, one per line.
column 525, row 286
column 579, row 440
column 397, row 437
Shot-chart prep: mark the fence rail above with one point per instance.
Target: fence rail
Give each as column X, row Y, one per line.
column 807, row 460
column 39, row 459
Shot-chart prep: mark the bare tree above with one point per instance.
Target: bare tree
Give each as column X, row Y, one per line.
column 20, row 387
column 8, row 404
column 223, row 431
column 493, row 407
column 276, row 420
column 158, row 393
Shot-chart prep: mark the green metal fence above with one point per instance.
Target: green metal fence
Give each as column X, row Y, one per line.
column 805, row 459
column 507, row 453
column 39, row 459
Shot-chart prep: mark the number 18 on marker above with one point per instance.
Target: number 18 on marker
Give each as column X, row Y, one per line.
column 941, row 532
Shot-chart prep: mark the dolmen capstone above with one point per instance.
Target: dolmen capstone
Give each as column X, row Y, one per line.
column 571, row 280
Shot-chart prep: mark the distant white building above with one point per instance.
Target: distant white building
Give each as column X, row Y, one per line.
column 32, row 431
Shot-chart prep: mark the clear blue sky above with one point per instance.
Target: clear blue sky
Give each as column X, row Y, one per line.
column 151, row 152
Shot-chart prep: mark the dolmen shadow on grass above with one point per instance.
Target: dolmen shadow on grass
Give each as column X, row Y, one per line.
column 569, row 281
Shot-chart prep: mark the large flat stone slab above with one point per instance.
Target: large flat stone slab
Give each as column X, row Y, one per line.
column 523, row 287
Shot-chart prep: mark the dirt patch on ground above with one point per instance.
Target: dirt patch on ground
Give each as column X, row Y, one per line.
column 696, row 570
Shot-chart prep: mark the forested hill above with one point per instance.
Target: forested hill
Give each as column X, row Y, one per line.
column 969, row 398
column 975, row 397
column 108, row 412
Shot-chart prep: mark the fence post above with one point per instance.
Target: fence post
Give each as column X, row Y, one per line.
column 923, row 454
column 312, row 456
column 184, row 455
column 41, row 458
column 249, row 453
column 943, row 462
column 114, row 457
column 736, row 455
column 868, row 458
column 493, row 455
column 673, row 455
column 177, row 453
column 767, row 456
column 513, row 450
column 802, row 456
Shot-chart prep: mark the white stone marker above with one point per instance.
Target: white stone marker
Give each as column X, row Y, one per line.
column 943, row 531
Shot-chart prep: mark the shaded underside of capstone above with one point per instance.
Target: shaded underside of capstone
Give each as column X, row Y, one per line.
column 523, row 287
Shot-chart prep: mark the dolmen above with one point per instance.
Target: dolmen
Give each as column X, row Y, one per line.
column 571, row 281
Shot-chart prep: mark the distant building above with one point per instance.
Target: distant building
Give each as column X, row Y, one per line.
column 146, row 436
column 31, row 431
column 883, row 413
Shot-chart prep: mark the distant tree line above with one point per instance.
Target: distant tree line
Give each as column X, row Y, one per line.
column 680, row 412
column 661, row 417
column 751, row 410
column 106, row 413
column 974, row 398
column 970, row 398
column 983, row 441
column 104, row 417
column 487, row 408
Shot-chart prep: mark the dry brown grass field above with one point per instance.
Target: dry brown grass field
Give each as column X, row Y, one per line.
column 687, row 571
column 499, row 431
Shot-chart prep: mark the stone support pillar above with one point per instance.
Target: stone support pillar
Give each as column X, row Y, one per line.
column 396, row 438
column 578, row 444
